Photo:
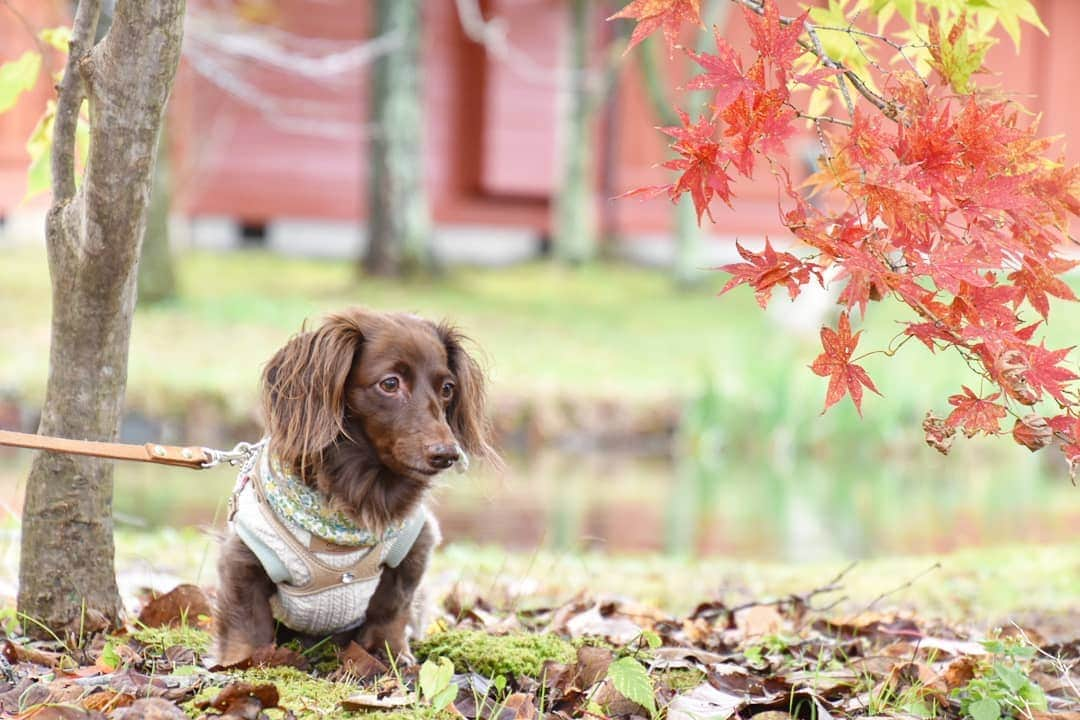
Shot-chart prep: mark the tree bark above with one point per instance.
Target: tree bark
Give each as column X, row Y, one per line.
column 157, row 274
column 575, row 222
column 399, row 221
column 93, row 234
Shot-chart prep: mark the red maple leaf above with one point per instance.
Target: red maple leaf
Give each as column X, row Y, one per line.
column 776, row 42
column 844, row 376
column 1044, row 371
column 974, row 414
column 867, row 143
column 929, row 332
column 984, row 193
column 723, row 73
column 1037, row 280
column 1067, row 428
column 653, row 14
column 765, row 270
column 761, row 122
column 868, row 278
column 951, row 266
column 702, row 164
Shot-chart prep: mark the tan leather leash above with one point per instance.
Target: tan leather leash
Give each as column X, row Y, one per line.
column 193, row 457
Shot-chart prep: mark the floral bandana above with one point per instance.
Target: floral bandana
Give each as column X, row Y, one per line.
column 301, row 505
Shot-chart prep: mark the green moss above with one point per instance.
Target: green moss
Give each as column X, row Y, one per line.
column 310, row 698
column 323, row 655
column 680, row 679
column 491, row 655
column 160, row 639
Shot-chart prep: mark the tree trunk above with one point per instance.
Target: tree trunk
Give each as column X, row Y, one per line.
column 66, row 578
column 399, row 222
column 157, row 274
column 575, row 222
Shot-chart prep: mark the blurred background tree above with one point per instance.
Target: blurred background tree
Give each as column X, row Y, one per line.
column 687, row 231
column 157, row 271
column 399, row 230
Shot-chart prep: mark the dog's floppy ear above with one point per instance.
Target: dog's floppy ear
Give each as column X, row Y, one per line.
column 466, row 414
column 303, row 388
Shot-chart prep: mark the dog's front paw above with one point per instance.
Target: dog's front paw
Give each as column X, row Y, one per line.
column 230, row 653
column 387, row 640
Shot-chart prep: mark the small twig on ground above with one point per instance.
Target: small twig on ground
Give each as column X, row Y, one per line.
column 906, row 584
column 798, row 600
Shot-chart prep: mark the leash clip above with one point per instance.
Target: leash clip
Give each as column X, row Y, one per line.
column 241, row 454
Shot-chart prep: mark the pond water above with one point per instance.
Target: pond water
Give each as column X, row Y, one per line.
column 775, row 506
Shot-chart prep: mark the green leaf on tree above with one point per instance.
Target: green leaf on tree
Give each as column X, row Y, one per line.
column 39, row 146
column 57, row 37
column 18, row 76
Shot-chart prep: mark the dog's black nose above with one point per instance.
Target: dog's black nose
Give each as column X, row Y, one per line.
column 441, row 457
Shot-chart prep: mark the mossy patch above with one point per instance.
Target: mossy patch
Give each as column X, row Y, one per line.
column 323, row 655
column 310, row 698
column 680, row 679
column 160, row 639
column 491, row 655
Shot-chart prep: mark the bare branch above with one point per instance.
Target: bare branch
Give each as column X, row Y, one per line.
column 281, row 112
column 72, row 92
column 207, row 32
column 31, row 31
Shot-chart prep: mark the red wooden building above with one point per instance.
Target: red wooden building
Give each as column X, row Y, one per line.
column 268, row 119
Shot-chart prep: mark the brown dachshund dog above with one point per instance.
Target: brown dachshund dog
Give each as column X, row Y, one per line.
column 365, row 411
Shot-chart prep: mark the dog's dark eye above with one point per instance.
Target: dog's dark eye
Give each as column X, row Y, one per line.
column 447, row 390
column 390, row 384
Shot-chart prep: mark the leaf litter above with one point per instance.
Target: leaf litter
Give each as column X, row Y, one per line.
column 588, row 657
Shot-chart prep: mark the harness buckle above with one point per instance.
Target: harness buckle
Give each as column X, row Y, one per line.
column 243, row 454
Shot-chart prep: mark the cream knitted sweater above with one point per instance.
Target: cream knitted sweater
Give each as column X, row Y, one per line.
column 322, row 588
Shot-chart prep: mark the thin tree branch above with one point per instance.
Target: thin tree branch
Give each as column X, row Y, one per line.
column 887, row 108
column 72, row 92
column 31, row 31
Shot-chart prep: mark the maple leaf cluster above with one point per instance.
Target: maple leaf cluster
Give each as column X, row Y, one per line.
column 936, row 195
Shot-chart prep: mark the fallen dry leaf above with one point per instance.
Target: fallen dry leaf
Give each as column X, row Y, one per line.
column 705, row 701
column 243, row 700
column 518, row 706
column 615, row 629
column 592, row 665
column 358, row 664
column 269, row 656
column 959, row 672
column 15, row 653
column 759, row 620
column 150, row 709
column 108, row 700
column 183, row 604
column 371, row 701
column 60, row 712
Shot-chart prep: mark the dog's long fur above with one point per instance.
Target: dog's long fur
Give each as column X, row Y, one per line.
column 371, row 452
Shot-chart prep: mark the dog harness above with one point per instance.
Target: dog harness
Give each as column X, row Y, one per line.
column 325, row 568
